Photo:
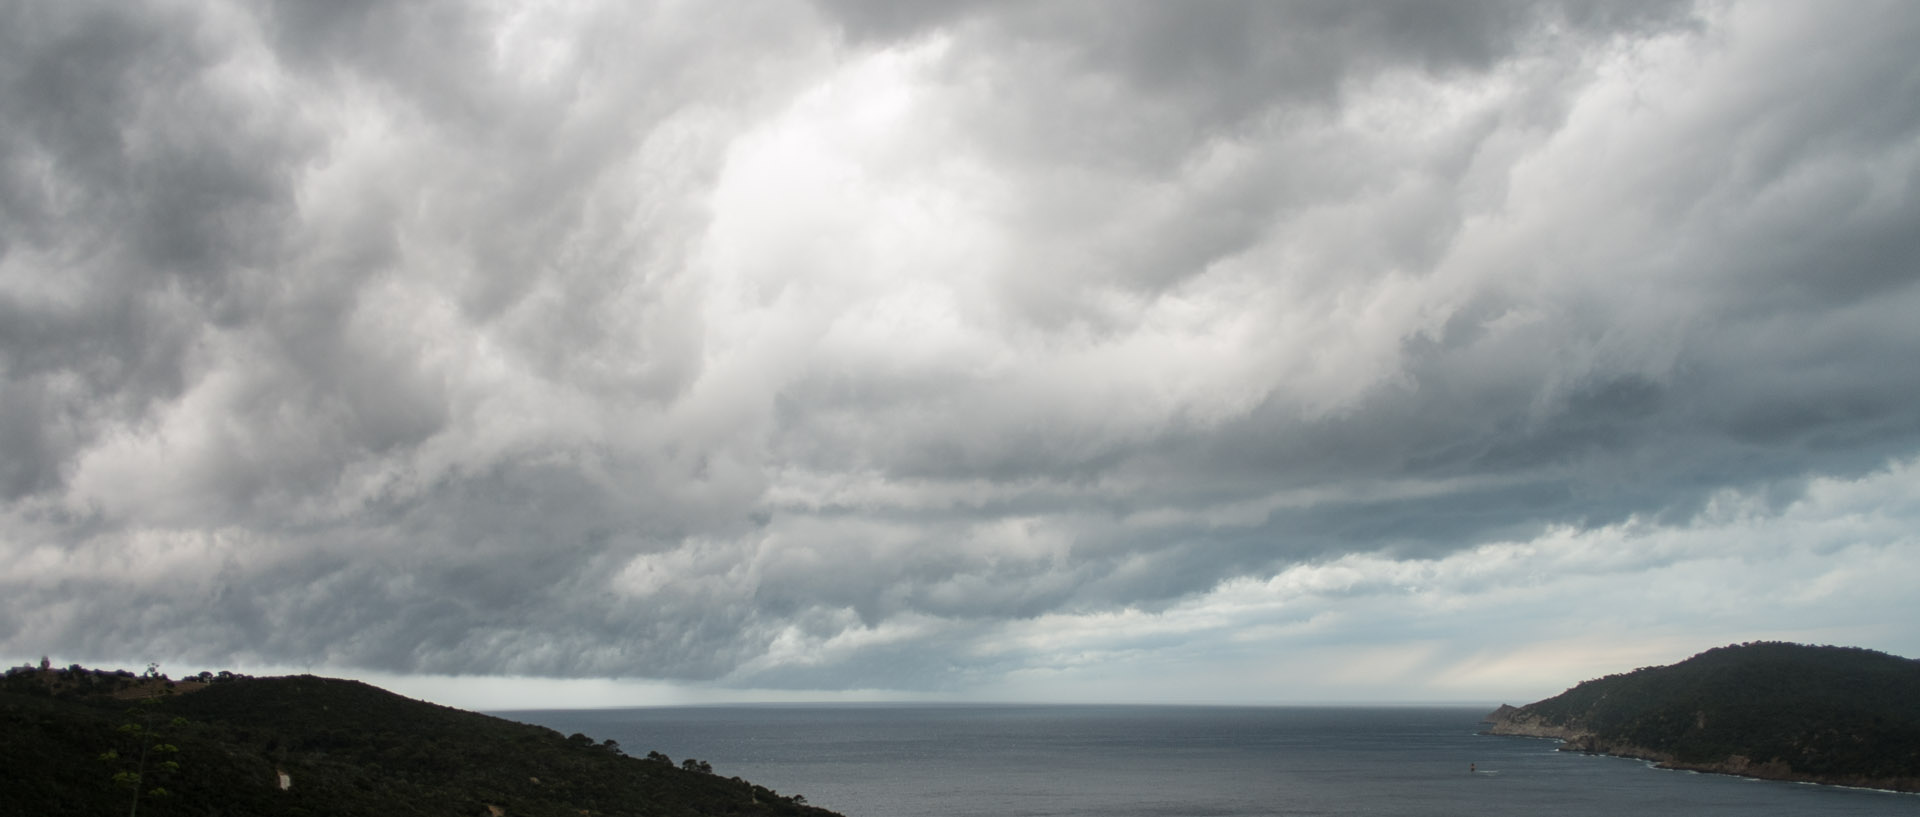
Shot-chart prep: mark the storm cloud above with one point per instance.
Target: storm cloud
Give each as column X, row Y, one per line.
column 969, row 348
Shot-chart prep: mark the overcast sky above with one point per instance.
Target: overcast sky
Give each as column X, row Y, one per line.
column 602, row 352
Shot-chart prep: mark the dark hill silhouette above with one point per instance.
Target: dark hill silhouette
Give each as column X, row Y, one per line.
column 347, row 748
column 1839, row 715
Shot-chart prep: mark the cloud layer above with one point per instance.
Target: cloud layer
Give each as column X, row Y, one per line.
column 954, row 347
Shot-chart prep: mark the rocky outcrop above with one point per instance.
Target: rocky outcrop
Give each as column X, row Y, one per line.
column 1512, row 721
column 1741, row 766
column 1776, row 770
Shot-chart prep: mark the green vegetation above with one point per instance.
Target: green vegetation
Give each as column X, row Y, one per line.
column 145, row 743
column 1788, row 711
column 346, row 748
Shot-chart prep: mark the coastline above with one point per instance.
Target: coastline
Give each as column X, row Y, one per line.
column 1510, row 721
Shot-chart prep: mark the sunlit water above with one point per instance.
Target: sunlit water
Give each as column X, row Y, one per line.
column 1110, row 761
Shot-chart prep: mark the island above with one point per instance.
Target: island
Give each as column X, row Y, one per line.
column 84, row 741
column 1779, row 711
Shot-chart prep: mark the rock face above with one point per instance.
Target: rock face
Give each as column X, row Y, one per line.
column 1834, row 715
column 1517, row 722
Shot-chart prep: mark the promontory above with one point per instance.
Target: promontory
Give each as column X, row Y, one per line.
column 1820, row 714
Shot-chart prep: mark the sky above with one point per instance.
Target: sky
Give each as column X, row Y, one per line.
column 581, row 353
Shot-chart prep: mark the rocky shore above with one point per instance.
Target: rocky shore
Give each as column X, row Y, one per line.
column 1513, row 721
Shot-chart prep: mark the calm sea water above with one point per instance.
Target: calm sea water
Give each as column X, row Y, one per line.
column 1112, row 761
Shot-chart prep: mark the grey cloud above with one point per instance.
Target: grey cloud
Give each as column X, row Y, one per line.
column 1105, row 106
column 1650, row 425
column 867, row 21
column 158, row 247
column 1249, row 51
column 434, row 355
column 137, row 229
column 1186, row 73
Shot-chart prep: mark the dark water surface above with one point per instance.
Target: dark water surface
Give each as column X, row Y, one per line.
column 1111, row 761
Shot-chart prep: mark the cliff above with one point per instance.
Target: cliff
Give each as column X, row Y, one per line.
column 1835, row 715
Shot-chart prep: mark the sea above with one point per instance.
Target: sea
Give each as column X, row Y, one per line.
column 897, row 760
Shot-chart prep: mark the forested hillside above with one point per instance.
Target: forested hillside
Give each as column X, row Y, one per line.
column 1786, row 711
column 73, row 741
